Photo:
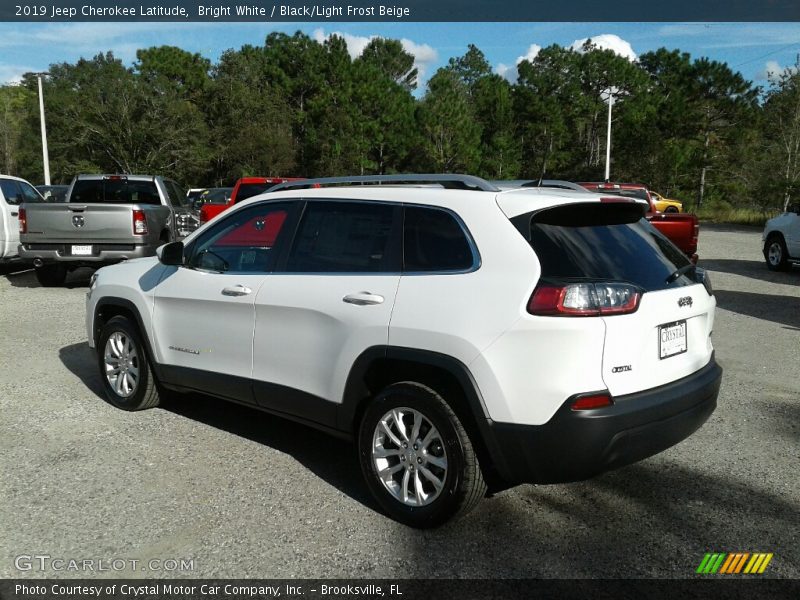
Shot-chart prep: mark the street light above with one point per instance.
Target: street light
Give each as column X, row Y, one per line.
column 45, row 155
column 610, row 95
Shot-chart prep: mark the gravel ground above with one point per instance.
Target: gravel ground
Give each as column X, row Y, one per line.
column 246, row 495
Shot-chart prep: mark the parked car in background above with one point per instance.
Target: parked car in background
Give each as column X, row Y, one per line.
column 681, row 229
column 467, row 339
column 193, row 194
column 106, row 219
column 245, row 188
column 664, row 204
column 53, row 193
column 220, row 195
column 781, row 239
column 13, row 193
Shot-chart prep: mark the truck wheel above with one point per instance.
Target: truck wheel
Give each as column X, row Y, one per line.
column 51, row 275
column 775, row 253
column 127, row 378
column 417, row 458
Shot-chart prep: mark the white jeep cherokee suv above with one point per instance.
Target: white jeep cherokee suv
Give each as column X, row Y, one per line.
column 467, row 339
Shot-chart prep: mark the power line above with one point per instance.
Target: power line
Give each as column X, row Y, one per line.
column 765, row 55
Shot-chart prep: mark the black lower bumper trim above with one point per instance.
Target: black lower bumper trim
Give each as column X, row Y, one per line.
column 576, row 445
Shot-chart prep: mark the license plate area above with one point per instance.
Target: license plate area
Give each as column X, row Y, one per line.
column 82, row 250
column 671, row 339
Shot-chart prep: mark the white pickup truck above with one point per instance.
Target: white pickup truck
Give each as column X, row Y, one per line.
column 781, row 240
column 13, row 192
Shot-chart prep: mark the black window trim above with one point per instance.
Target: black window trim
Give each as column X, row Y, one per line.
column 396, row 236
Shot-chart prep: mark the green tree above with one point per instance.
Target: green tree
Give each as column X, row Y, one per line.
column 390, row 59
column 451, row 134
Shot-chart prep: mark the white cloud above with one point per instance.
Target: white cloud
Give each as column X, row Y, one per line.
column 423, row 54
column 13, row 73
column 607, row 41
column 772, row 71
column 511, row 73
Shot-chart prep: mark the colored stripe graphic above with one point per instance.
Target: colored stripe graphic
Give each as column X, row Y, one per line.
column 734, row 563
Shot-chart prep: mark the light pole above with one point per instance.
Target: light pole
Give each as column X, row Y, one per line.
column 45, row 154
column 611, row 95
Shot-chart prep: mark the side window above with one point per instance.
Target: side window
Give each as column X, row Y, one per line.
column 243, row 243
column 29, row 194
column 343, row 237
column 434, row 241
column 11, row 191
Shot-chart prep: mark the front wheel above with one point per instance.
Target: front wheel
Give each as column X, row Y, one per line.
column 127, row 378
column 775, row 253
column 417, row 458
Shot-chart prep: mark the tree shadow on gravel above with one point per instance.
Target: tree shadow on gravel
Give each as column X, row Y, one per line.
column 652, row 519
column 331, row 459
column 755, row 269
column 784, row 310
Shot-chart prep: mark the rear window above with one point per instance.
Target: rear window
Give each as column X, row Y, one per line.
column 609, row 242
column 116, row 191
column 248, row 190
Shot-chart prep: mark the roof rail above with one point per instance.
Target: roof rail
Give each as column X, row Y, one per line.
column 448, row 181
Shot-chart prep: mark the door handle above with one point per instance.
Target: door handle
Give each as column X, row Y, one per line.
column 13, row 214
column 363, row 298
column 236, row 290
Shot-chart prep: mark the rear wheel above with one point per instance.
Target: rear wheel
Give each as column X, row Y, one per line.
column 417, row 458
column 51, row 275
column 775, row 253
column 127, row 378
column 671, row 209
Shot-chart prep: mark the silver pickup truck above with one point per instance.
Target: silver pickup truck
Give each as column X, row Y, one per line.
column 106, row 219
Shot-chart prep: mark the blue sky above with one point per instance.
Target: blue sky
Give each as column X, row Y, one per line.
column 754, row 49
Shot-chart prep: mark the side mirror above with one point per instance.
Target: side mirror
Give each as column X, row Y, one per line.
column 170, row 254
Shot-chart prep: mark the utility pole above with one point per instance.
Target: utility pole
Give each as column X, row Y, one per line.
column 611, row 93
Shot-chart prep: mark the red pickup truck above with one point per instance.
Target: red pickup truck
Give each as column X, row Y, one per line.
column 682, row 229
column 245, row 188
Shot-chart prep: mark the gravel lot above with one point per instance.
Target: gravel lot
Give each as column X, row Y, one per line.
column 247, row 495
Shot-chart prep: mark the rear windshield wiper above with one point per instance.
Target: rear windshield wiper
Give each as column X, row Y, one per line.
column 681, row 271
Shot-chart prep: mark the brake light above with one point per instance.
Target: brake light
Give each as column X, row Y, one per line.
column 592, row 401
column 23, row 221
column 139, row 223
column 584, row 299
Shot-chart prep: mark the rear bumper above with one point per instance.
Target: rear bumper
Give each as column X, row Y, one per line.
column 101, row 253
column 576, row 445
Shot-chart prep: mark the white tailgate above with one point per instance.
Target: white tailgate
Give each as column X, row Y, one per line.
column 632, row 358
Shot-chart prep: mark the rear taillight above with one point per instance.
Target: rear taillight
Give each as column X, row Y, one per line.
column 584, row 299
column 591, row 401
column 23, row 221
column 139, row 223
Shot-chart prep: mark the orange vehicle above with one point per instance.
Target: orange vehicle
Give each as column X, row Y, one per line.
column 246, row 187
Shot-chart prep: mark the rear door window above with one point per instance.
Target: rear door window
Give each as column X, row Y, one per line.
column 434, row 241
column 248, row 190
column 607, row 242
column 345, row 237
column 114, row 190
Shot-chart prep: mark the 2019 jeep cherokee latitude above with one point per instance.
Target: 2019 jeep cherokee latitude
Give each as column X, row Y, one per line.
column 466, row 339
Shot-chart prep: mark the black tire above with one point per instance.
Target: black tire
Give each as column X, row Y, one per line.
column 463, row 485
column 671, row 209
column 775, row 253
column 51, row 275
column 144, row 393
